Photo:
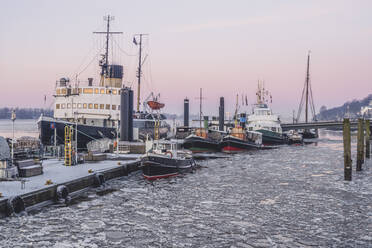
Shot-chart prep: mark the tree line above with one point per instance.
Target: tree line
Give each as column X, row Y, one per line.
column 24, row 113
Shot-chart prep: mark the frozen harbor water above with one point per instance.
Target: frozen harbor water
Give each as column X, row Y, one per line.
column 294, row 196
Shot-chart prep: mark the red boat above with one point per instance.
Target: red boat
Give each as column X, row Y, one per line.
column 155, row 105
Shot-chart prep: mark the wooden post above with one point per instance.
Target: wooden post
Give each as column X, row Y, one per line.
column 368, row 137
column 347, row 150
column 360, row 144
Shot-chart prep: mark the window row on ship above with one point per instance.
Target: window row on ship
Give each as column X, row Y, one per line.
column 64, row 91
column 87, row 106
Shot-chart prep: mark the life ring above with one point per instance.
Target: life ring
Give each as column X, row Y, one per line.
column 62, row 194
column 169, row 152
column 99, row 179
column 15, row 205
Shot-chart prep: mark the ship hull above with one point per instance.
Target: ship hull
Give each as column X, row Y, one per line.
column 197, row 144
column 86, row 133
column 272, row 138
column 232, row 145
column 158, row 166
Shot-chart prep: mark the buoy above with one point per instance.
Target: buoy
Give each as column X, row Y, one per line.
column 99, row 179
column 48, row 182
column 15, row 205
column 62, row 194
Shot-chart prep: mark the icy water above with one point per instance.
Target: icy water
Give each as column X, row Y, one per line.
column 21, row 128
column 294, row 196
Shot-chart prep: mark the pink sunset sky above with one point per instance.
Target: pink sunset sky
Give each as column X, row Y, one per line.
column 223, row 47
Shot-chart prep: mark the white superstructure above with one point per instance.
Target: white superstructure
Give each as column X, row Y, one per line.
column 91, row 105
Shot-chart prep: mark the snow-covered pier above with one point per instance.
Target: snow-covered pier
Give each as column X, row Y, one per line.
column 44, row 189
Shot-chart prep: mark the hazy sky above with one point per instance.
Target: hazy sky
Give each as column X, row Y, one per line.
column 222, row 46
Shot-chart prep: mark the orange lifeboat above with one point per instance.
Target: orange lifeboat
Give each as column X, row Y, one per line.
column 155, row 105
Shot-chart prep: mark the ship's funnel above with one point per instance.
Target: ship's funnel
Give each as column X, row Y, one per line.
column 115, row 76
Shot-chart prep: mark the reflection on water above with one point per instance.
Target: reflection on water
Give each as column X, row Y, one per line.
column 294, row 196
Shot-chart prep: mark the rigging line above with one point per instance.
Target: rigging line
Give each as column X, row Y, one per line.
column 86, row 56
column 89, row 62
column 123, row 51
column 301, row 103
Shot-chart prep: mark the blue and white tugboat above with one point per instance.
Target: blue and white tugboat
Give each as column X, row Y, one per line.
column 264, row 121
column 93, row 108
column 164, row 161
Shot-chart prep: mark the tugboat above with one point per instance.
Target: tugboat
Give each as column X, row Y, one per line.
column 164, row 161
column 239, row 140
column 264, row 121
column 93, row 109
column 199, row 142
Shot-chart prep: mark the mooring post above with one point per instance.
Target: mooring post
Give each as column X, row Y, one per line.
column 368, row 137
column 347, row 150
column 360, row 143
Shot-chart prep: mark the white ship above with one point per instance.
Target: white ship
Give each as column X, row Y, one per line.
column 264, row 121
column 93, row 107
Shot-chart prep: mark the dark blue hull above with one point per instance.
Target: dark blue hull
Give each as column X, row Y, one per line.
column 86, row 133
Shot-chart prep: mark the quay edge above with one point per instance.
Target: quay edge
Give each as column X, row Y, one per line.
column 47, row 196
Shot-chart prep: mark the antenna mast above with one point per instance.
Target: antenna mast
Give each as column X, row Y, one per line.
column 104, row 62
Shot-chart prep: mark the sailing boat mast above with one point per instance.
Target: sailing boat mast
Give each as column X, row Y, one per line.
column 139, row 72
column 104, row 62
column 307, row 88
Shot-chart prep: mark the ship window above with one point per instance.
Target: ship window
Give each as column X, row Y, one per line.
column 85, row 105
column 68, row 105
column 90, row 106
column 118, row 107
column 113, row 107
column 108, row 91
column 88, row 91
column 96, row 105
column 79, row 105
column 75, row 90
column 96, row 91
column 57, row 106
column 101, row 106
column 63, row 91
column 79, row 90
column 62, row 105
column 107, row 106
column 58, row 91
column 102, row 91
column 114, row 92
column 74, row 105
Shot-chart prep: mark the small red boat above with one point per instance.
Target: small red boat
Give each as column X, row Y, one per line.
column 155, row 105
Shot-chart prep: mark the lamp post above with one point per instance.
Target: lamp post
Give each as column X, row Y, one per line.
column 13, row 117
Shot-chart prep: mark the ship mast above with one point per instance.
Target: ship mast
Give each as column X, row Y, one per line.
column 307, row 88
column 139, row 72
column 104, row 62
column 307, row 96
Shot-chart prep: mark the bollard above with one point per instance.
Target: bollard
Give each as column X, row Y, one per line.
column 368, row 137
column 360, row 144
column 347, row 150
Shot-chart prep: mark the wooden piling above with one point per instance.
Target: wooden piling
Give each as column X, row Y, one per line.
column 368, row 137
column 360, row 145
column 347, row 150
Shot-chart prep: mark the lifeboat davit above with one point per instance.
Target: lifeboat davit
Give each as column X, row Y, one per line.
column 155, row 105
